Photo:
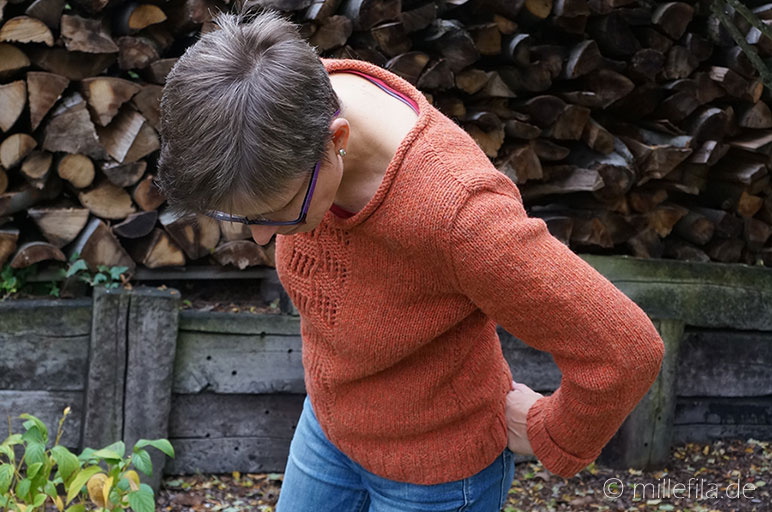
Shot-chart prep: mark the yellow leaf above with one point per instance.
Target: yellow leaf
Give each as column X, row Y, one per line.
column 94, row 486
column 236, row 475
column 59, row 504
column 133, row 478
column 106, row 491
column 22, row 507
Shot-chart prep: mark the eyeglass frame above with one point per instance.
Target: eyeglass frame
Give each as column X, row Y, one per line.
column 227, row 217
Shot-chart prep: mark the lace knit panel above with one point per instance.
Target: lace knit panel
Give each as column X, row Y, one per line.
column 316, row 278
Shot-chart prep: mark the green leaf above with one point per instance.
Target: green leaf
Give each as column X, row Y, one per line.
column 33, row 435
column 35, row 452
column 99, row 278
column 162, row 444
column 54, row 289
column 12, row 440
column 6, row 475
column 80, row 507
column 142, row 462
column 65, row 460
column 51, row 489
column 8, row 452
column 115, row 272
column 77, row 266
column 33, row 469
column 22, row 489
column 80, row 480
column 118, row 447
column 142, row 499
column 107, row 454
column 39, row 500
column 86, row 454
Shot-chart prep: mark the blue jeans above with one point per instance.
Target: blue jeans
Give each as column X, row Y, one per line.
column 321, row 478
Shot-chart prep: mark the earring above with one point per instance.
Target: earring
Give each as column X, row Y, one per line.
column 342, row 152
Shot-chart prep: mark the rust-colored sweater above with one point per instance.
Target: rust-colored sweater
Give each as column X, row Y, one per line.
column 399, row 305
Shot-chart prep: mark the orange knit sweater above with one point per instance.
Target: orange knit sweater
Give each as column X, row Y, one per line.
column 399, row 305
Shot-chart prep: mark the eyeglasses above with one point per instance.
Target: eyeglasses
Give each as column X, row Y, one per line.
column 227, row 217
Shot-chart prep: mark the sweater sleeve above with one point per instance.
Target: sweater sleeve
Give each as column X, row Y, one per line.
column 535, row 287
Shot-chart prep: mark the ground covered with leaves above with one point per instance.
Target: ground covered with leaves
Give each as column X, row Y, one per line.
column 729, row 475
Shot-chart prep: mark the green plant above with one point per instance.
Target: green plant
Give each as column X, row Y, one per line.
column 94, row 480
column 110, row 277
column 12, row 280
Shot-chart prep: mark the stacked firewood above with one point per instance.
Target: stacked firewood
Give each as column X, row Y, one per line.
column 629, row 126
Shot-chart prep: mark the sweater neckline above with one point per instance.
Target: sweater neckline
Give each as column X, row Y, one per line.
column 403, row 86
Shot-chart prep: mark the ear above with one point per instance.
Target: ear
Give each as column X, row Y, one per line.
column 340, row 129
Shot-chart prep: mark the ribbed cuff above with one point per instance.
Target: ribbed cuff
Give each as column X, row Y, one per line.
column 552, row 457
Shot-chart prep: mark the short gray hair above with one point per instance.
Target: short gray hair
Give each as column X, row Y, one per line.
column 246, row 109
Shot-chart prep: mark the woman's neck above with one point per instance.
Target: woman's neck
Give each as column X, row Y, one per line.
column 378, row 124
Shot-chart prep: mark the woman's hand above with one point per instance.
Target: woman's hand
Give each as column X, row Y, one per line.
column 519, row 400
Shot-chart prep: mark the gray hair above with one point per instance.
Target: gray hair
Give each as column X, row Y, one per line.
column 245, row 110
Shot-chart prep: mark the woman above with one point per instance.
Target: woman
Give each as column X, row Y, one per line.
column 402, row 247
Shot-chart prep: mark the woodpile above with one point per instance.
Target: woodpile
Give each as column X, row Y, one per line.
column 629, row 127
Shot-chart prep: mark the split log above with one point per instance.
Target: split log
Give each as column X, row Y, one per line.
column 579, row 180
column 8, row 238
column 391, row 37
column 549, row 151
column 409, row 65
column 118, row 137
column 234, row 231
column 25, row 29
column 146, row 142
column 44, row 90
column 133, row 17
column 543, row 110
column 35, row 252
column 47, row 11
column 451, row 41
column 137, row 52
column 72, row 131
column 570, row 123
column 12, row 60
column 520, row 164
column 157, row 250
column 77, row 169
column 436, row 75
column 673, row 18
column 72, row 65
column 367, row 13
column 197, row 235
column 59, row 226
column 107, row 201
column 136, row 225
column 15, row 148
column 86, row 35
column 157, row 70
column 35, row 168
column 695, row 227
column 597, row 137
column 320, row 10
column 97, row 245
column 146, row 194
column 106, row 94
column 239, row 253
column 684, row 251
column 335, row 31
column 23, row 197
column 521, row 130
column 13, row 98
column 124, row 175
